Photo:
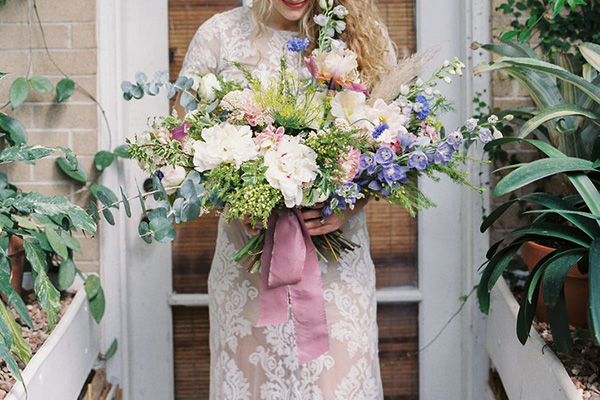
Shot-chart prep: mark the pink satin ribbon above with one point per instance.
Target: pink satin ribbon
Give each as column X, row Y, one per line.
column 290, row 273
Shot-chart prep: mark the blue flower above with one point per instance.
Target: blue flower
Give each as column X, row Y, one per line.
column 485, row 135
column 455, row 139
column 417, row 160
column 443, row 154
column 378, row 187
column 366, row 162
column 406, row 140
column 159, row 174
column 393, row 173
column 384, row 156
column 297, row 45
column 424, row 109
column 379, row 130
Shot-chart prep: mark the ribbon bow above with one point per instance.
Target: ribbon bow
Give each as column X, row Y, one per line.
column 290, row 274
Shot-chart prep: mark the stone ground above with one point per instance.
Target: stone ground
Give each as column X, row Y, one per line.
column 34, row 337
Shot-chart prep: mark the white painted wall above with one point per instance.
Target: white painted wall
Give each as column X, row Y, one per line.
column 450, row 246
column 133, row 36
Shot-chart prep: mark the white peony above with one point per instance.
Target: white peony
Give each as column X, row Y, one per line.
column 172, row 177
column 206, row 87
column 349, row 105
column 224, row 143
column 289, row 165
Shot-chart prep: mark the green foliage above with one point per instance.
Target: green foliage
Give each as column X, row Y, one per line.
column 64, row 89
column 75, row 171
column 557, row 30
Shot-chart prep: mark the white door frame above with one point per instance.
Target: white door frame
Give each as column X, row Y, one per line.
column 133, row 36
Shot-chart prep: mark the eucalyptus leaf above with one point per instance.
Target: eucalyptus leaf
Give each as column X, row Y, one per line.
column 111, row 350
column 19, row 91
column 162, row 229
column 105, row 195
column 108, row 216
column 64, row 89
column 125, row 201
column 144, row 232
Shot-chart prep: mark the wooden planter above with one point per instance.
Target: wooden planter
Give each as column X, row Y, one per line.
column 576, row 287
column 527, row 372
column 60, row 367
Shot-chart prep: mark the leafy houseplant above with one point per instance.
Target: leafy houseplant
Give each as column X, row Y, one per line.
column 565, row 122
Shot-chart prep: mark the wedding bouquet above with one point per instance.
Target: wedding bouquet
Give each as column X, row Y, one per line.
column 261, row 150
column 257, row 147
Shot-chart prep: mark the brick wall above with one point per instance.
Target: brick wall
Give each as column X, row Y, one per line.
column 507, row 93
column 69, row 28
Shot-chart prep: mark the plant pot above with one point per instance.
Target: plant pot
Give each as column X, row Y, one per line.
column 576, row 287
column 529, row 372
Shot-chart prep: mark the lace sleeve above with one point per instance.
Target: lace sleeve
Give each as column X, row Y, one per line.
column 203, row 54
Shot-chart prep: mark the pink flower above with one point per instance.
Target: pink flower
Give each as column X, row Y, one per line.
column 349, row 165
column 429, row 131
column 269, row 138
column 181, row 132
column 337, row 67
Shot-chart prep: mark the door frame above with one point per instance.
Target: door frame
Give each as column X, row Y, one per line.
column 133, row 36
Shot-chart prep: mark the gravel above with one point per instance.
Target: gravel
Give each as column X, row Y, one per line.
column 34, row 337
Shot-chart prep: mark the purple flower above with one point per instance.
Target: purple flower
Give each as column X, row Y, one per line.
column 418, row 160
column 455, row 139
column 406, row 140
column 378, row 187
column 444, row 153
column 379, row 130
column 366, row 162
column 159, row 174
column 424, row 108
column 297, row 45
column 384, row 156
column 485, row 135
column 180, row 132
column 393, row 173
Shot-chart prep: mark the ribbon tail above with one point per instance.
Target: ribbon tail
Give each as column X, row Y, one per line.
column 308, row 307
column 273, row 301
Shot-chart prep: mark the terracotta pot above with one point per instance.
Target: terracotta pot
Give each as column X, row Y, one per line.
column 16, row 254
column 576, row 287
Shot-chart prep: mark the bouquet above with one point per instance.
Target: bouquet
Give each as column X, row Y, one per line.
column 262, row 149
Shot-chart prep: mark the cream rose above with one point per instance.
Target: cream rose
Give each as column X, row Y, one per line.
column 224, row 143
column 206, row 87
column 289, row 165
column 172, row 177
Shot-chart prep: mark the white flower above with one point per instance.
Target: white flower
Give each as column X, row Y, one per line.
column 317, row 197
column 163, row 135
column 289, row 166
column 470, row 124
column 321, row 20
column 172, row 177
column 339, row 26
column 497, row 133
column 419, row 82
column 392, row 115
column 447, row 79
column 340, row 11
column 492, row 119
column 349, row 105
column 208, row 83
column 404, row 89
column 323, row 4
column 224, row 143
column 509, row 117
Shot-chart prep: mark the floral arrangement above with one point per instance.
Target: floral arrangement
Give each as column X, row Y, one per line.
column 259, row 147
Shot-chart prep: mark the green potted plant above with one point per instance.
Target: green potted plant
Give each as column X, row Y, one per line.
column 565, row 122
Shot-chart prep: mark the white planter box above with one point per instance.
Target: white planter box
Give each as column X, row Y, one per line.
column 60, row 367
column 527, row 372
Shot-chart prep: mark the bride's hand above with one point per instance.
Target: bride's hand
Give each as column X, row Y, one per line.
column 319, row 225
column 247, row 225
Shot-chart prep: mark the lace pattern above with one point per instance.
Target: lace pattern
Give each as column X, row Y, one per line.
column 261, row 363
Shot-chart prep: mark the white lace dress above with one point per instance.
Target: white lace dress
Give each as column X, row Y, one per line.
column 262, row 363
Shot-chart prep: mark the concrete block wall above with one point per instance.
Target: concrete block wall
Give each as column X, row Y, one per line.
column 70, row 31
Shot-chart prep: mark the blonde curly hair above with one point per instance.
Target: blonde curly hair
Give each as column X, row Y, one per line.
column 365, row 34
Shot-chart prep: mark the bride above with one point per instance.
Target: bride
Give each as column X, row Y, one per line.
column 262, row 363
